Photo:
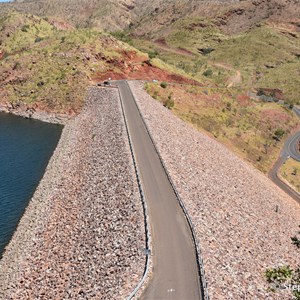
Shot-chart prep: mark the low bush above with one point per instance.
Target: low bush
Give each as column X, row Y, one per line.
column 208, row 73
column 163, row 85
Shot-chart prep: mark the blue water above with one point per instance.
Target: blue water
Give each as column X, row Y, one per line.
column 25, row 149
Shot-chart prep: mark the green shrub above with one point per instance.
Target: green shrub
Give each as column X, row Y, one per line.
column 279, row 275
column 16, row 65
column 278, row 134
column 163, row 85
column 169, row 103
column 38, row 39
column 25, row 28
column 208, row 73
column 206, row 51
column 295, row 241
column 122, row 36
column 152, row 54
column 284, row 275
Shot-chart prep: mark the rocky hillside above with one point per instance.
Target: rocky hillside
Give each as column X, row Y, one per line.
column 250, row 44
column 148, row 17
column 103, row 14
column 232, row 17
column 49, row 64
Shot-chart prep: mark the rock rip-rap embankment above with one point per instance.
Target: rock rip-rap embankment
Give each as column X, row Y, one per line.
column 82, row 234
column 244, row 222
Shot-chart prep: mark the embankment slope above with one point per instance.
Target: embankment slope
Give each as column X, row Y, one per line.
column 232, row 206
column 82, row 234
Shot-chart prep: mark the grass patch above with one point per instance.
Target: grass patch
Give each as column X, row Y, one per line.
column 51, row 67
column 254, row 130
column 290, row 171
column 265, row 56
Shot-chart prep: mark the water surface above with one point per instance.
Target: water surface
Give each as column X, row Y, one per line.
column 25, row 149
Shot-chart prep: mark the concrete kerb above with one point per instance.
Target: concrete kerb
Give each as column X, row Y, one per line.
column 144, row 204
column 200, row 262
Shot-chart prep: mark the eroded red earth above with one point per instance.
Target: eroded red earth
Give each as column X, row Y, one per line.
column 132, row 66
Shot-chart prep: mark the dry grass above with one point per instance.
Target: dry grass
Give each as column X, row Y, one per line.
column 51, row 68
column 247, row 127
column 290, row 172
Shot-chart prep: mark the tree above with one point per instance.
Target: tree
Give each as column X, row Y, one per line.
column 207, row 73
column 278, row 134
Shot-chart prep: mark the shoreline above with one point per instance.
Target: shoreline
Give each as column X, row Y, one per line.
column 30, row 113
column 14, row 250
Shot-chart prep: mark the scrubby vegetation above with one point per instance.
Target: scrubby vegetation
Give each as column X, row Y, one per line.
column 254, row 129
column 267, row 56
column 290, row 171
column 296, row 239
column 284, row 277
column 45, row 66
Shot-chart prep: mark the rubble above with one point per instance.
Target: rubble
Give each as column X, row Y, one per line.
column 233, row 207
column 82, row 235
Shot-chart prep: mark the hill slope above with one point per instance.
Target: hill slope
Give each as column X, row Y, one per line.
column 48, row 67
column 230, row 16
column 257, row 40
column 104, row 14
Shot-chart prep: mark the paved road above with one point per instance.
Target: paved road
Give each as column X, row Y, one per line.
column 296, row 111
column 290, row 149
column 175, row 272
column 273, row 175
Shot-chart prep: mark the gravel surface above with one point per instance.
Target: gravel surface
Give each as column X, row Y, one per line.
column 82, row 234
column 232, row 206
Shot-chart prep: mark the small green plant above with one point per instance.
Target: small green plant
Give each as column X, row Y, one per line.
column 295, row 171
column 278, row 134
column 155, row 95
column 169, row 103
column 207, row 73
column 278, row 275
column 228, row 106
column 25, row 28
column 285, row 276
column 296, row 240
column 152, row 54
column 122, row 36
column 16, row 65
column 206, row 51
column 163, row 85
column 38, row 39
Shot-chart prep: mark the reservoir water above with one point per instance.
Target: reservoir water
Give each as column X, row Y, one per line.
column 25, row 149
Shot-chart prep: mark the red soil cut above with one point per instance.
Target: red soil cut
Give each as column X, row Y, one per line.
column 131, row 66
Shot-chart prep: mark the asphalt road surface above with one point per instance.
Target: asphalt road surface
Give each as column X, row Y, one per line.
column 290, row 150
column 273, row 175
column 296, row 111
column 175, row 272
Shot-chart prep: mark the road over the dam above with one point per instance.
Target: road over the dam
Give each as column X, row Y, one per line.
column 175, row 271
